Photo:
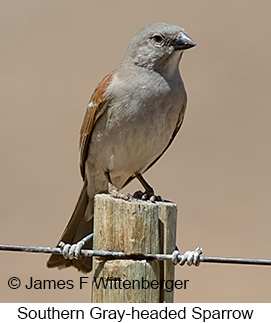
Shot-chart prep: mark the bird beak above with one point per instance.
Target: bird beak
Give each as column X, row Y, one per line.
column 183, row 42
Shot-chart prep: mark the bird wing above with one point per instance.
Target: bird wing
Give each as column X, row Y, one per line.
column 95, row 109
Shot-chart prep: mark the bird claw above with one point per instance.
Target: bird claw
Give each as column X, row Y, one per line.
column 114, row 192
column 147, row 196
column 119, row 195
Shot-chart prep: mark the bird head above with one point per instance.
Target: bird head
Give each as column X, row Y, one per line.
column 156, row 44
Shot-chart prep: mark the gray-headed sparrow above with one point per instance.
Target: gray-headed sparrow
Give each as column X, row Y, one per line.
column 131, row 119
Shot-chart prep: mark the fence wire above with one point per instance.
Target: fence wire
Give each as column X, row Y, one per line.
column 190, row 257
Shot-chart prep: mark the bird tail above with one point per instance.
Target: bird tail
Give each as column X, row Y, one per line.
column 78, row 227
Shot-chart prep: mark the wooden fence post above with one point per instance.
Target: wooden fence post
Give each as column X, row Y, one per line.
column 135, row 227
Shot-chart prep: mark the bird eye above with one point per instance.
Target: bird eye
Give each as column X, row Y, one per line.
column 158, row 38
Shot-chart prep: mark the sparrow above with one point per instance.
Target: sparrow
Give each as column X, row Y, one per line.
column 132, row 118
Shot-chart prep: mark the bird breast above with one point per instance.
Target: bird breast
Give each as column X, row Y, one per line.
column 137, row 125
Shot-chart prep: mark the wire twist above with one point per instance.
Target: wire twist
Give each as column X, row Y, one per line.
column 189, row 257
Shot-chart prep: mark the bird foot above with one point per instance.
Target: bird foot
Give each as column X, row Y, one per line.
column 114, row 192
column 147, row 196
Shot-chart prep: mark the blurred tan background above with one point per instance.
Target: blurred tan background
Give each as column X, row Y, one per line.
column 52, row 55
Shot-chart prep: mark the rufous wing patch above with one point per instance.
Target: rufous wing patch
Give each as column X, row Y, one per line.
column 97, row 104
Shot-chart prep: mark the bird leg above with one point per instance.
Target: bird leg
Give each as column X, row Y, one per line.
column 112, row 189
column 149, row 192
